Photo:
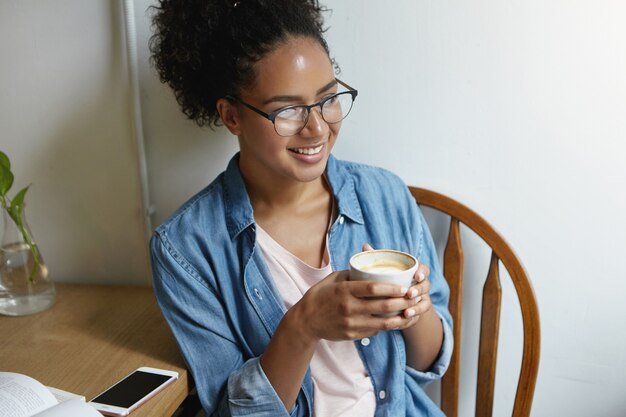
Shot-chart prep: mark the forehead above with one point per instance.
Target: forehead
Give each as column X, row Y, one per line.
column 294, row 67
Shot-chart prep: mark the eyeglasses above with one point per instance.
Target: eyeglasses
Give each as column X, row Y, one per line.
column 290, row 120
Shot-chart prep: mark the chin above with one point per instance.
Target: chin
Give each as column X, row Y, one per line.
column 311, row 173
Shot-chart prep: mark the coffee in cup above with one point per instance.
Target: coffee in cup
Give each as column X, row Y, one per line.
column 383, row 265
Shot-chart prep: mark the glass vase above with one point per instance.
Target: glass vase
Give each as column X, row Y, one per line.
column 24, row 284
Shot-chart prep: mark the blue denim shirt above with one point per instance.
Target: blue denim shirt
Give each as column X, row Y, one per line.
column 219, row 299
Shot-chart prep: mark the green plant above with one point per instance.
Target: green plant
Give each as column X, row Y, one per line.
column 15, row 208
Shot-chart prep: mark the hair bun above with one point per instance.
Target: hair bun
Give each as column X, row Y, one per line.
column 206, row 49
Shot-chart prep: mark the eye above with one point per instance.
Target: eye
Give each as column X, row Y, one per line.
column 330, row 94
column 290, row 113
column 332, row 101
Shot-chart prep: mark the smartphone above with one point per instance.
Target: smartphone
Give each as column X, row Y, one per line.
column 132, row 391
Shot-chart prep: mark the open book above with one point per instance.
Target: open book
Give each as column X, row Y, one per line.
column 23, row 396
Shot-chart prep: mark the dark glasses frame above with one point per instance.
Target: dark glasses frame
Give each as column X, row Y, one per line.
column 272, row 116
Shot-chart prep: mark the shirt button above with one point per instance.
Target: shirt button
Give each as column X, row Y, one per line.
column 382, row 394
column 365, row 341
column 340, row 219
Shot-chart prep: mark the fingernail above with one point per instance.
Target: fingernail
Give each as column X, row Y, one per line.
column 418, row 299
column 414, row 293
column 403, row 290
column 410, row 312
column 421, row 276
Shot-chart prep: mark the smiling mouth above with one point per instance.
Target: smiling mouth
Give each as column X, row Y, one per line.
column 307, row 151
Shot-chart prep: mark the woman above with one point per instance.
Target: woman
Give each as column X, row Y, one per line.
column 251, row 272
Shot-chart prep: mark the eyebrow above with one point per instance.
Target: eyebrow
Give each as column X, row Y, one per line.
column 296, row 98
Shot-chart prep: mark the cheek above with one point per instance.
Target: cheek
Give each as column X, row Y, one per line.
column 334, row 128
column 253, row 127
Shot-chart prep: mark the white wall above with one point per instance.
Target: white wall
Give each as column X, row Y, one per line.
column 516, row 108
column 66, row 125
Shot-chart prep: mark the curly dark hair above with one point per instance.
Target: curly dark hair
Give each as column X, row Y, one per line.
column 206, row 49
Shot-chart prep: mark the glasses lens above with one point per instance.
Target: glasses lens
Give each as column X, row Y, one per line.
column 290, row 121
column 336, row 108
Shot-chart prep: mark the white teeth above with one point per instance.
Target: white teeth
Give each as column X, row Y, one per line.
column 308, row 151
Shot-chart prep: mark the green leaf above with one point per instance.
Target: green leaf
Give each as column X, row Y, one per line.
column 17, row 204
column 6, row 180
column 4, row 161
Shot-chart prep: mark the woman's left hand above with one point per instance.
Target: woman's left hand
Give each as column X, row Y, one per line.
column 419, row 292
column 423, row 342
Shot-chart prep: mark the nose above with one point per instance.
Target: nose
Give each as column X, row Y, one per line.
column 315, row 125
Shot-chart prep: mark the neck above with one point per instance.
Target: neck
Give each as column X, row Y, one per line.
column 277, row 194
column 269, row 189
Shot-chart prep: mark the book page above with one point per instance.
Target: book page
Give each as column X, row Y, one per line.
column 70, row 408
column 22, row 396
column 63, row 396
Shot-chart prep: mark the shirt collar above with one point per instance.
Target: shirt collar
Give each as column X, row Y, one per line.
column 239, row 213
column 344, row 190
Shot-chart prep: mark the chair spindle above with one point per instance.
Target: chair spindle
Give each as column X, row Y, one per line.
column 489, row 330
column 453, row 271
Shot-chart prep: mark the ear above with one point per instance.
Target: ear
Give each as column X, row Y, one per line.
column 229, row 114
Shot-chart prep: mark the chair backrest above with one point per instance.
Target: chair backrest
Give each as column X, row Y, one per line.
column 490, row 316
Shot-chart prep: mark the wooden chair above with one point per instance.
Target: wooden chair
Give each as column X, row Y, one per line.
column 490, row 316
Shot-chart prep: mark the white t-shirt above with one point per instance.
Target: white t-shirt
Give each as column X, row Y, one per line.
column 341, row 385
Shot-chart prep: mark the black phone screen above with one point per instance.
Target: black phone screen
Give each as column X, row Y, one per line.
column 131, row 389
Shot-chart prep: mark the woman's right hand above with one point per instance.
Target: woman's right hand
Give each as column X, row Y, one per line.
column 339, row 309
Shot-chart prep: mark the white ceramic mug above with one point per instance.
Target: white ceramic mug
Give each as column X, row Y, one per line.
column 383, row 265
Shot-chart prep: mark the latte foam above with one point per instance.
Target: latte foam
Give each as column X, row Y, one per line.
column 385, row 266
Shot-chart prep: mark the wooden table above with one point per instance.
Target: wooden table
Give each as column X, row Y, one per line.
column 91, row 337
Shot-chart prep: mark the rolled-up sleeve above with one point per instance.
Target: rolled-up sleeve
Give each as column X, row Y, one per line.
column 250, row 390
column 439, row 295
column 438, row 369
